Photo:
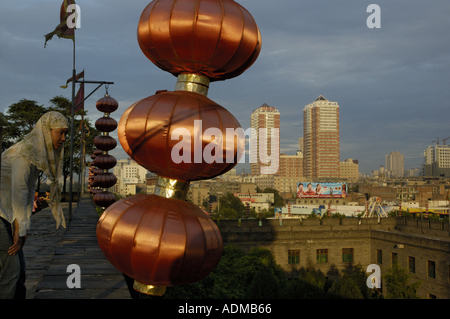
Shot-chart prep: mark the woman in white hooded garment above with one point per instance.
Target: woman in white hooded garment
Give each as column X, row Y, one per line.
column 40, row 150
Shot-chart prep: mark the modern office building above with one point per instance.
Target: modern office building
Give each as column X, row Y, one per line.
column 321, row 139
column 395, row 164
column 265, row 150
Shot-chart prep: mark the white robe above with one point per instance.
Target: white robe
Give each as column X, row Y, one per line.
column 17, row 194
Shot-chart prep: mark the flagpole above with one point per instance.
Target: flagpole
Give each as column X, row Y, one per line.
column 72, row 133
column 81, row 169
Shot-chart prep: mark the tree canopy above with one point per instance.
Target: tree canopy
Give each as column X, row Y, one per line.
column 396, row 281
column 256, row 275
column 278, row 200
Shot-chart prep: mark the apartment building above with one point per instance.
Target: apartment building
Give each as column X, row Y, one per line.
column 265, row 150
column 321, row 139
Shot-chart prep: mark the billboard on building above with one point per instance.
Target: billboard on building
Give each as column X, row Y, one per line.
column 321, row 190
column 278, row 212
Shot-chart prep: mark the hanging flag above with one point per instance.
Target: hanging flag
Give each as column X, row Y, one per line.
column 79, row 99
column 62, row 30
column 77, row 77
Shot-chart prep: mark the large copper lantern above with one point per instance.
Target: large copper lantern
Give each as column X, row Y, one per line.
column 160, row 239
column 171, row 134
column 216, row 38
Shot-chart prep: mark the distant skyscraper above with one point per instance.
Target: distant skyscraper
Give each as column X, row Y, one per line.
column 263, row 121
column 395, row 164
column 436, row 161
column 321, row 139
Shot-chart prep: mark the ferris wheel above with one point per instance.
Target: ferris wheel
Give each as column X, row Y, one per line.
column 374, row 208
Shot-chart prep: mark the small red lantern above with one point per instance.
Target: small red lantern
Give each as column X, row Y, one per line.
column 105, row 180
column 159, row 241
column 104, row 198
column 107, row 104
column 105, row 161
column 105, row 143
column 106, row 124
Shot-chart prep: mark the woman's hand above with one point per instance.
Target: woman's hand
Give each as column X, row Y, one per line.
column 18, row 242
column 17, row 246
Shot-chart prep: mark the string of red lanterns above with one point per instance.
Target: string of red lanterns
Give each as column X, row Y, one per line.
column 104, row 161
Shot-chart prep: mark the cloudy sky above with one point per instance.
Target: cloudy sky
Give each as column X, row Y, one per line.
column 391, row 83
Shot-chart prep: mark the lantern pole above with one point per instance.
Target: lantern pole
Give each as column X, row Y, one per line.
column 71, row 133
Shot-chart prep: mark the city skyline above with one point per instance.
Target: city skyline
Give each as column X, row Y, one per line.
column 391, row 82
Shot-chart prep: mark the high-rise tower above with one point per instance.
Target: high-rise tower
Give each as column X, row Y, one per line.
column 265, row 149
column 321, row 139
column 395, row 164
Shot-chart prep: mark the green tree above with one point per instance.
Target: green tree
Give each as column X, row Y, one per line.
column 238, row 275
column 228, row 213
column 264, row 285
column 344, row 288
column 19, row 120
column 359, row 276
column 224, row 281
column 205, row 205
column 311, row 284
column 231, row 202
column 354, row 188
column 312, row 215
column 278, row 200
column 396, row 284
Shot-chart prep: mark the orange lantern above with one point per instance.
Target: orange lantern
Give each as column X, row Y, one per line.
column 156, row 240
column 167, row 133
column 215, row 38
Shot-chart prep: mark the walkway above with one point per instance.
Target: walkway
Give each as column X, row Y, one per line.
column 48, row 253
